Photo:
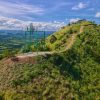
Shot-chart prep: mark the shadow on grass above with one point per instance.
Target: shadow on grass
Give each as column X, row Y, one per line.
column 66, row 63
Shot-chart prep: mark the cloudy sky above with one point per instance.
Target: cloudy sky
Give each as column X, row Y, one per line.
column 15, row 14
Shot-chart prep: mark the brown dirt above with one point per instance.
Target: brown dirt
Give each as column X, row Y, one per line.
column 16, row 60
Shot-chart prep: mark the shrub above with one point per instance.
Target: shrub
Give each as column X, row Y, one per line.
column 53, row 39
column 7, row 53
column 70, row 31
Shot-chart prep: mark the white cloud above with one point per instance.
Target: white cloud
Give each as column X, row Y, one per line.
column 49, row 26
column 11, row 23
column 19, row 8
column 73, row 20
column 81, row 5
column 15, row 24
column 97, row 15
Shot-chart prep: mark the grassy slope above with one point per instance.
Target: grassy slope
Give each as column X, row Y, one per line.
column 73, row 74
column 64, row 36
column 41, row 81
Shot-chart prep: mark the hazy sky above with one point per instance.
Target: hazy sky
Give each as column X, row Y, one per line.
column 20, row 12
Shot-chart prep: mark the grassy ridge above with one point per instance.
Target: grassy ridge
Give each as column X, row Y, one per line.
column 60, row 40
column 71, row 75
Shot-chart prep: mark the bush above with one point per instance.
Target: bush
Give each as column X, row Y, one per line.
column 53, row 39
column 70, row 31
column 7, row 53
column 1, row 57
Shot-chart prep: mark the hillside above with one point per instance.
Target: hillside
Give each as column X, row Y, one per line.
column 73, row 74
column 64, row 38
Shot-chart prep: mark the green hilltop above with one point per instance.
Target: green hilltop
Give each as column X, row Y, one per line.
column 66, row 35
column 71, row 73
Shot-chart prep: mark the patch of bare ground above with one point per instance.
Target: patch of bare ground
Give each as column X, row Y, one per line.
column 18, row 60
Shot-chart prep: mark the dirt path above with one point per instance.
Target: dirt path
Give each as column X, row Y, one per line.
column 70, row 44
column 72, row 39
column 33, row 54
column 81, row 29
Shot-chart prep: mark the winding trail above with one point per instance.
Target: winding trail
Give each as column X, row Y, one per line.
column 33, row 54
column 72, row 39
column 71, row 42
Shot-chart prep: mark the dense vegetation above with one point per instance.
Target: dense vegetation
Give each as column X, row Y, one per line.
column 71, row 75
